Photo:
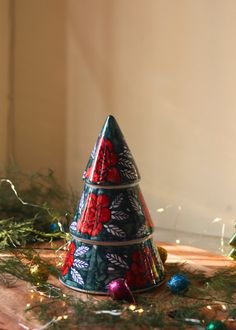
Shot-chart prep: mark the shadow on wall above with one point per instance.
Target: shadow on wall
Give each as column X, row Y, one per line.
column 167, row 73
column 90, row 56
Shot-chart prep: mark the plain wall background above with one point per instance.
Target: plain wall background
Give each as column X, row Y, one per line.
column 165, row 69
column 5, row 34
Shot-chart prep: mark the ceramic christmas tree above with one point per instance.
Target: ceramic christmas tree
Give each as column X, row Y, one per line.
column 111, row 229
column 232, row 242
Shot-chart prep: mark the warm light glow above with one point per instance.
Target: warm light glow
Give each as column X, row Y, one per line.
column 224, row 307
column 216, row 220
column 132, row 307
column 59, row 318
column 222, row 243
column 28, row 305
column 65, row 317
column 209, row 307
column 160, row 210
column 177, row 241
column 34, row 269
column 140, row 311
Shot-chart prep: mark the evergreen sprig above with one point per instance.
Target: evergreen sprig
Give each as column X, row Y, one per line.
column 47, row 203
column 160, row 310
column 44, row 203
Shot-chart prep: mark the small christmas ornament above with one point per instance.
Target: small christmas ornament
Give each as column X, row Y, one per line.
column 163, row 253
column 119, row 290
column 40, row 272
column 178, row 284
column 54, row 227
column 216, row 325
column 232, row 243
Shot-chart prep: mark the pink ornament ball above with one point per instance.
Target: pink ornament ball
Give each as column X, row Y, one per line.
column 119, row 290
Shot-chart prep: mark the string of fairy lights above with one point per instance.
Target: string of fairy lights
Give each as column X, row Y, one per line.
column 36, row 294
column 221, row 244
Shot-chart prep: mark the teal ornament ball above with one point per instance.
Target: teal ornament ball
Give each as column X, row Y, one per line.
column 54, row 227
column 216, row 325
column 178, row 284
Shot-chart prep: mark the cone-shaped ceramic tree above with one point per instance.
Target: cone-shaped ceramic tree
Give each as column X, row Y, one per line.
column 112, row 228
column 232, row 242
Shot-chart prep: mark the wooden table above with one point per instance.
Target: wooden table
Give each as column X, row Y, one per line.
column 14, row 300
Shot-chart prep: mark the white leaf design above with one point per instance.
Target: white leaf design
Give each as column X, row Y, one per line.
column 129, row 174
column 126, row 163
column 93, row 153
column 126, row 153
column 116, row 260
column 73, row 226
column 142, row 231
column 76, row 276
column 80, row 264
column 118, row 215
column 135, row 204
column 81, row 251
column 81, row 203
column 117, row 201
column 115, row 231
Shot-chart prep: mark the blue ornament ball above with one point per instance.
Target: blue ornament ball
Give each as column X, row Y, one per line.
column 178, row 283
column 54, row 227
column 216, row 325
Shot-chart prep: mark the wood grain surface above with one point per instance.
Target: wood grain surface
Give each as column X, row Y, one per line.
column 13, row 301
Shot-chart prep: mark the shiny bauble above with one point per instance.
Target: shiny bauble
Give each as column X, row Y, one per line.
column 216, row 325
column 118, row 289
column 178, row 284
column 163, row 254
column 39, row 272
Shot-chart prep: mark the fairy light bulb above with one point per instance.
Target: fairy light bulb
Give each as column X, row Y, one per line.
column 140, row 311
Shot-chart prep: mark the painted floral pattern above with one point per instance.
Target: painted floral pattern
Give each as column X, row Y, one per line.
column 69, row 260
column 94, row 215
column 93, row 267
column 145, row 210
column 140, row 274
column 104, row 168
column 111, row 214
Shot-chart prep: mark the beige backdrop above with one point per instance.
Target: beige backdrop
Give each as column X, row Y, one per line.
column 5, row 33
column 165, row 68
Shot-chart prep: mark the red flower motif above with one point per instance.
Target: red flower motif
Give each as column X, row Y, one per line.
column 69, row 259
column 145, row 210
column 104, row 166
column 142, row 270
column 95, row 213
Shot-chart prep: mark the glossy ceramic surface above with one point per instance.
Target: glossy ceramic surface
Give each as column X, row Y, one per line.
column 111, row 215
column 112, row 227
column 92, row 267
column 111, row 162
